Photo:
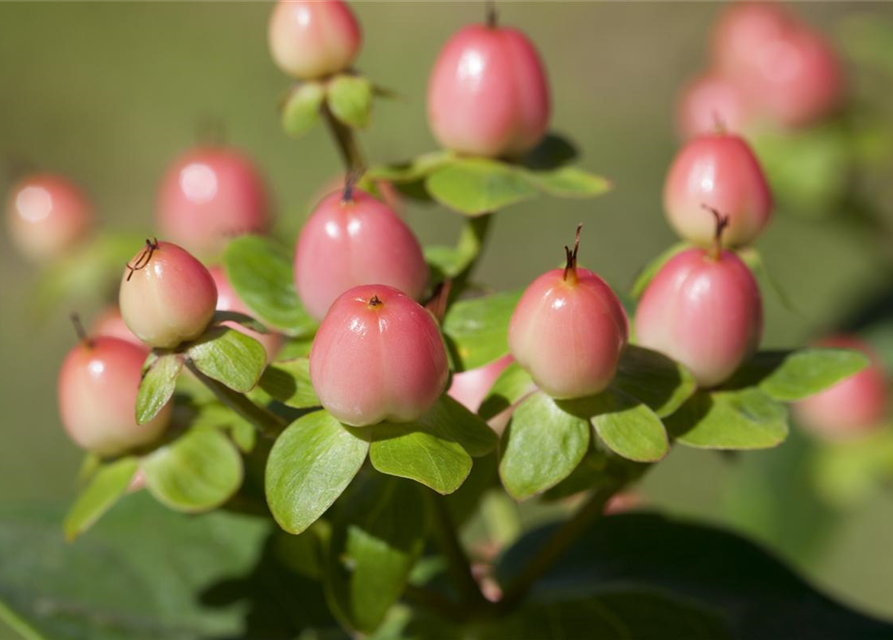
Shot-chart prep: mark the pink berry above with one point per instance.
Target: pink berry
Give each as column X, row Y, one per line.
column 852, row 407
column 98, row 385
column 569, row 331
column 378, row 355
column 48, row 215
column 167, row 297
column 228, row 300
column 703, row 309
column 712, row 103
column 311, row 39
column 210, row 195
column 742, row 33
column 471, row 387
column 352, row 239
column 488, row 94
column 110, row 324
column 718, row 171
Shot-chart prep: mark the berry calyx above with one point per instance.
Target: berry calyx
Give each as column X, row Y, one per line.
column 378, row 355
column 719, row 171
column 569, row 331
column 98, row 385
column 210, row 195
column 351, row 239
column 48, row 215
column 488, row 94
column 166, row 297
column 228, row 300
column 311, row 39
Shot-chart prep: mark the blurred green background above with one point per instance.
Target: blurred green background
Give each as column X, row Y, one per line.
column 109, row 93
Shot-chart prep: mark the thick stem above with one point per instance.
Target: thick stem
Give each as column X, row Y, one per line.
column 472, row 240
column 267, row 423
column 344, row 140
column 458, row 564
column 563, row 538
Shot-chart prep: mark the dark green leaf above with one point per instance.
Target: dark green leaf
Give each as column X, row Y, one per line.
column 627, row 426
column 350, row 99
column 660, row 382
column 745, row 419
column 242, row 319
column 310, row 465
column 570, row 182
column 541, row 447
column 476, row 330
column 198, row 471
column 289, row 382
column 159, row 381
column 590, row 473
column 230, row 357
column 474, row 186
column 301, row 110
column 553, row 151
column 646, row 275
column 261, row 273
column 108, row 485
column 458, row 423
column 512, row 385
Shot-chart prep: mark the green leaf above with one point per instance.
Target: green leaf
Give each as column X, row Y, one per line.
column 420, row 451
column 793, row 375
column 570, row 182
column 230, row 357
column 626, row 425
column 646, row 275
column 261, row 273
column 476, row 330
column 451, row 418
column 658, row 381
column 512, row 385
column 295, row 348
column 108, row 485
column 541, row 447
column 745, row 419
column 301, row 110
column 159, row 381
column 242, row 319
column 475, row 186
column 289, row 382
column 411, row 171
column 198, row 471
column 350, row 99
column 310, row 465
column 552, row 152
column 590, row 473
column 376, row 540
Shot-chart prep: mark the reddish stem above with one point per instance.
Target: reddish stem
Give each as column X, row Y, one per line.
column 142, row 260
column 722, row 222
column 570, row 267
column 79, row 329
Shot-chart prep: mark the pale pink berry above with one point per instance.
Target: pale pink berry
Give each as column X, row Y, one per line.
column 743, row 31
column 703, row 309
column 488, row 94
column 210, row 195
column 109, row 323
column 311, row 39
column 719, row 171
column 47, row 215
column 712, row 103
column 378, row 355
column 167, row 297
column 852, row 407
column 228, row 300
column 471, row 387
column 98, row 385
column 352, row 239
column 569, row 331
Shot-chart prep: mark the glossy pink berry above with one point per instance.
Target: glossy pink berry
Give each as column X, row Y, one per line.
column 47, row 215
column 352, row 239
column 569, row 331
column 718, row 171
column 210, row 195
column 228, row 300
column 852, row 407
column 703, row 309
column 488, row 94
column 109, row 323
column 378, row 355
column 311, row 39
column 98, row 385
column 167, row 297
column 712, row 103
column 471, row 387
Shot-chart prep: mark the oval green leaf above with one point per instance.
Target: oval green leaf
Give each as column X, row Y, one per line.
column 658, row 381
column 476, row 330
column 350, row 100
column 230, row 357
column 288, row 381
column 627, row 426
column 570, row 182
column 159, row 381
column 108, row 484
column 475, row 186
column 301, row 110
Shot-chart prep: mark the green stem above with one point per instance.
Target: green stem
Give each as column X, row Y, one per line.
column 435, row 601
column 458, row 564
column 267, row 422
column 472, row 240
column 563, row 538
column 19, row 624
column 344, row 140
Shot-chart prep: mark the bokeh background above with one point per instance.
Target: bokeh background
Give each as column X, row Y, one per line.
column 109, row 93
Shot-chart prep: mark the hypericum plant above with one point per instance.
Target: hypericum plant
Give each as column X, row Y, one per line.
column 358, row 452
